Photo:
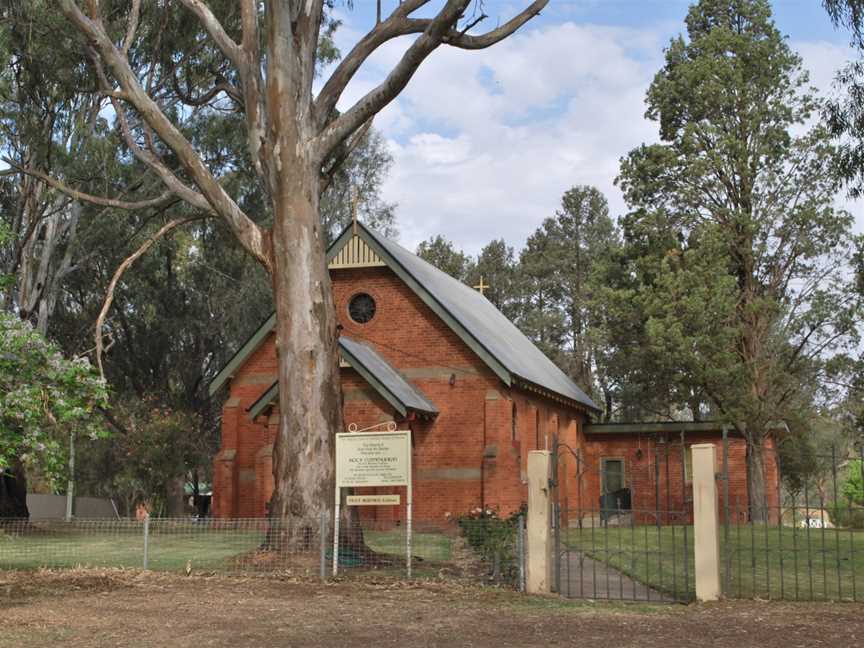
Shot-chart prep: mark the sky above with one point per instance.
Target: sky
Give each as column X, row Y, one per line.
column 486, row 142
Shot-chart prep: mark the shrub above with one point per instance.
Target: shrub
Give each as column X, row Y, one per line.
column 853, row 486
column 846, row 515
column 494, row 539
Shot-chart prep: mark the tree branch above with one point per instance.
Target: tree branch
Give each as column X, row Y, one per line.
column 328, row 176
column 213, row 27
column 148, row 158
column 250, row 235
column 386, row 91
column 250, row 79
column 463, row 40
column 159, row 201
column 121, row 269
column 246, row 59
column 438, row 30
column 135, row 14
column 307, row 33
column 221, row 85
column 397, row 24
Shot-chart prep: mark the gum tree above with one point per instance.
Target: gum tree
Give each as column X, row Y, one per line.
column 260, row 59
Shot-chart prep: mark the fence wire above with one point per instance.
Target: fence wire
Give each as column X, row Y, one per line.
column 802, row 539
column 481, row 548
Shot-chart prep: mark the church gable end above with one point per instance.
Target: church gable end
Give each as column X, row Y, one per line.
column 354, row 253
column 486, row 331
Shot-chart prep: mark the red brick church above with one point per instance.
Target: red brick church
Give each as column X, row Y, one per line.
column 423, row 350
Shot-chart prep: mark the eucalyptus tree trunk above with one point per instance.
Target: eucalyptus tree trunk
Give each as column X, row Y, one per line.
column 310, row 397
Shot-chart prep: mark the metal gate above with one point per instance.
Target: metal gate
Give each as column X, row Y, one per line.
column 622, row 522
column 803, row 540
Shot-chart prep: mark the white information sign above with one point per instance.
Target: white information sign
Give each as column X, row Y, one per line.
column 373, row 459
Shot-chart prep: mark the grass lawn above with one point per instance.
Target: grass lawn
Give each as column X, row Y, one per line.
column 765, row 562
column 122, row 545
column 434, row 547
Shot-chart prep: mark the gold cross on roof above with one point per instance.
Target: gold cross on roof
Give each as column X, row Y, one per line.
column 481, row 286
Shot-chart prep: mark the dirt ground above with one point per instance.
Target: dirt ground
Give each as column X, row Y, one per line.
column 127, row 608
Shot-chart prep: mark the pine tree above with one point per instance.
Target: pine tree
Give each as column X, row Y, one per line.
column 736, row 248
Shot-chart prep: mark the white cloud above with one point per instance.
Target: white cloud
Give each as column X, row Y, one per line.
column 822, row 60
column 486, row 142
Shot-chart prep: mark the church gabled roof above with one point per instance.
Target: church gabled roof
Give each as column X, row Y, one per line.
column 487, row 331
column 376, row 371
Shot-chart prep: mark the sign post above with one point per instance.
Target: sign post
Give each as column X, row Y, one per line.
column 372, row 459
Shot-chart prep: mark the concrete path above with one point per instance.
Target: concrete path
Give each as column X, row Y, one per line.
column 584, row 577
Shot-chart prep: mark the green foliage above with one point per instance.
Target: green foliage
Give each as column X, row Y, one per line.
column 555, row 292
column 850, row 14
column 6, row 280
column 562, row 273
column 496, row 264
column 844, row 515
column 493, row 538
column 729, row 293
column 360, row 177
column 184, row 307
column 853, row 486
column 443, row 255
column 844, row 115
column 43, row 397
column 153, row 447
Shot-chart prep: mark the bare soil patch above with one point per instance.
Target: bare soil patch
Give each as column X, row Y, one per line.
column 132, row 608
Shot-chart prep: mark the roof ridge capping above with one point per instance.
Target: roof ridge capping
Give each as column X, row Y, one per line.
column 661, row 427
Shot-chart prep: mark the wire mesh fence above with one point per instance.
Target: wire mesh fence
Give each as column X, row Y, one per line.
column 470, row 548
column 798, row 537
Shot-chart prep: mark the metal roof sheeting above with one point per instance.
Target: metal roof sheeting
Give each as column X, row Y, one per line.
column 486, row 324
column 388, row 382
column 485, row 329
column 363, row 357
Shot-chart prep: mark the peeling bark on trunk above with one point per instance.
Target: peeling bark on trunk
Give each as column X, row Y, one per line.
column 291, row 134
column 310, row 398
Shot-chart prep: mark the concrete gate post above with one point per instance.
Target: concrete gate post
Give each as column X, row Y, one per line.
column 539, row 528
column 706, row 523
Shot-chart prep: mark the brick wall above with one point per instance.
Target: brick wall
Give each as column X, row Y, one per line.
column 475, row 452
column 471, row 455
column 655, row 474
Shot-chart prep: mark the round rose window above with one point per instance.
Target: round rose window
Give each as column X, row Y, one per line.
column 361, row 308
